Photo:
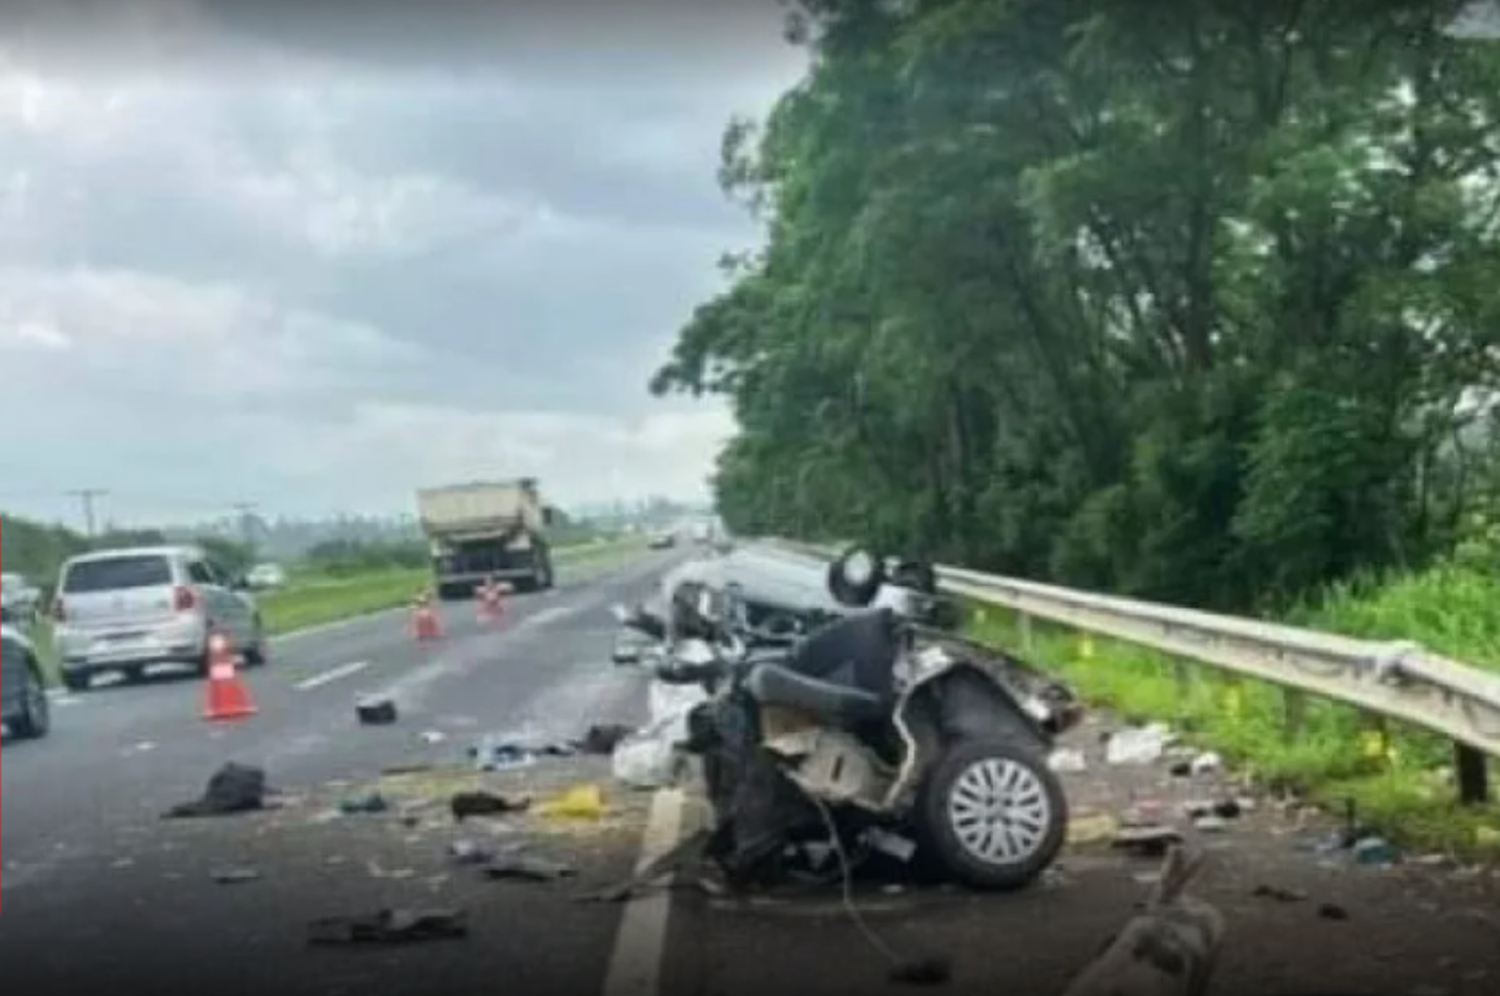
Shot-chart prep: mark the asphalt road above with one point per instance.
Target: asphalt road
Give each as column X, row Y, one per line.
column 100, row 893
column 103, row 895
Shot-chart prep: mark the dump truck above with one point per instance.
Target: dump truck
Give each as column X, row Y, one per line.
column 487, row 529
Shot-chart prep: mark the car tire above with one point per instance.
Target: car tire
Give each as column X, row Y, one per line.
column 968, row 775
column 78, row 681
column 256, row 653
column 34, row 720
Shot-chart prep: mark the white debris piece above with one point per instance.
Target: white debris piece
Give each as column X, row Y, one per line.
column 1138, row 745
column 1207, row 763
column 1068, row 760
column 647, row 758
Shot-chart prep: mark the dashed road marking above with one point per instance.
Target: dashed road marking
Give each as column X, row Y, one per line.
column 330, row 676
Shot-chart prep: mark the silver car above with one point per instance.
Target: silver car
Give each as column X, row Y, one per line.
column 19, row 597
column 125, row 610
column 25, row 704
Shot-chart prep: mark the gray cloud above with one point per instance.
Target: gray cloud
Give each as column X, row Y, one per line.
column 324, row 265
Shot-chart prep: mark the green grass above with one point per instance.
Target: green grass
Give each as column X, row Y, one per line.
column 1401, row 777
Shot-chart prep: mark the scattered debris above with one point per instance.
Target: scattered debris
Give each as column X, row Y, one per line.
column 584, row 802
column 376, row 711
column 466, row 804
column 528, row 868
column 499, row 753
column 1224, row 809
column 1375, row 851
column 371, row 802
column 1137, row 745
column 1068, row 761
column 235, row 876
column 1211, row 824
column 1279, row 894
column 234, row 788
column 1332, row 911
column 390, row 927
column 603, row 740
column 1207, row 763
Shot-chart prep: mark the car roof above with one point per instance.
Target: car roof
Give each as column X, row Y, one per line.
column 136, row 551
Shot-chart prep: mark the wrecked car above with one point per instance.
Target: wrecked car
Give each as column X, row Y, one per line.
column 872, row 734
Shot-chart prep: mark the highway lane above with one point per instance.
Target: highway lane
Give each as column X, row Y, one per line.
column 84, row 805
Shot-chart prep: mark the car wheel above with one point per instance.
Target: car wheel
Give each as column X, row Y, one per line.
column 992, row 814
column 78, row 681
column 35, row 717
column 256, row 653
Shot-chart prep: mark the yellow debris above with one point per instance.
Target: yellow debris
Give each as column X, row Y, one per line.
column 1092, row 829
column 585, row 802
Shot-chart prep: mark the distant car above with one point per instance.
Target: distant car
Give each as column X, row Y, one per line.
column 20, row 596
column 126, row 610
column 264, row 577
column 22, row 688
column 663, row 541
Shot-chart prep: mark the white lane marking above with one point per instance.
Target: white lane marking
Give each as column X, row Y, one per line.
column 327, row 677
column 547, row 615
column 640, row 944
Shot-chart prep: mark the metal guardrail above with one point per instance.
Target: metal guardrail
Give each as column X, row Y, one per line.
column 1399, row 680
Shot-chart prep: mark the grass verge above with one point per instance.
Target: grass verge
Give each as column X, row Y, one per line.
column 1400, row 777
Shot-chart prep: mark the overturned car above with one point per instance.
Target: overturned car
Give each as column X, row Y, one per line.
column 868, row 732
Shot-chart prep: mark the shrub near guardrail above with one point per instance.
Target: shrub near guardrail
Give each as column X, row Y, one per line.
column 1400, row 777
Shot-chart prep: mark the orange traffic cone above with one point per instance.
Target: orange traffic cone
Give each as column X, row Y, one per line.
column 425, row 624
column 491, row 603
column 228, row 695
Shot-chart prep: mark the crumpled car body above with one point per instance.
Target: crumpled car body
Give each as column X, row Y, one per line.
column 771, row 583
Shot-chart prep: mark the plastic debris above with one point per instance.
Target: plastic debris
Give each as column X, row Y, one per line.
column 234, row 788
column 1207, row 763
column 1068, row 760
column 1137, row 745
column 466, row 804
column 527, row 868
column 1092, row 828
column 390, row 927
column 376, row 711
column 584, row 802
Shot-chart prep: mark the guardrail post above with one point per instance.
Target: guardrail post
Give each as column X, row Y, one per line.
column 1028, row 638
column 1472, row 771
column 1293, row 714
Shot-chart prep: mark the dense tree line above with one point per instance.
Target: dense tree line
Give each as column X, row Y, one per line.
column 1184, row 300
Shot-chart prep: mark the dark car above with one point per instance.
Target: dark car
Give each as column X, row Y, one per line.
column 25, row 707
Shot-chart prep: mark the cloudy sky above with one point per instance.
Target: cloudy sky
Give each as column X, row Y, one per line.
column 316, row 260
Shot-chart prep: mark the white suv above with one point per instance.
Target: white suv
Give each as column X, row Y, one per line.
column 125, row 610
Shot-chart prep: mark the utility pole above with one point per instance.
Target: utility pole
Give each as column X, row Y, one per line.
column 87, row 496
column 247, row 535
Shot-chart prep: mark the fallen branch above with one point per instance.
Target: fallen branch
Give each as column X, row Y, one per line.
column 1170, row 949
